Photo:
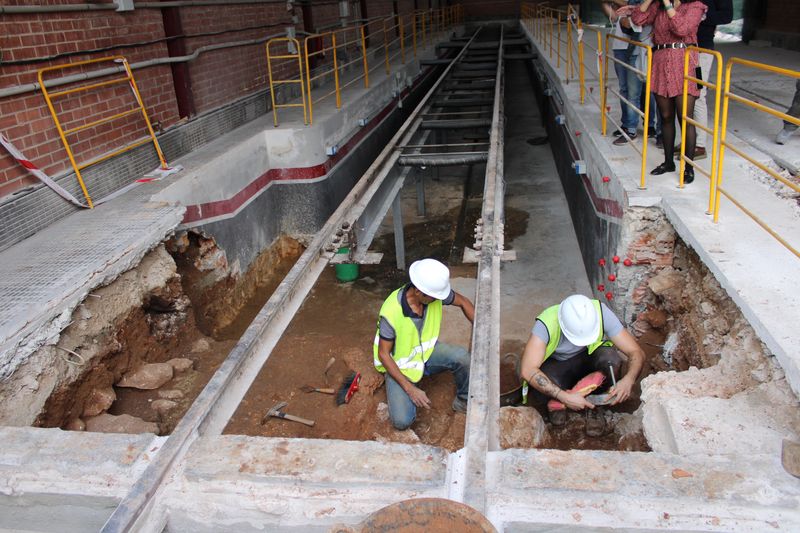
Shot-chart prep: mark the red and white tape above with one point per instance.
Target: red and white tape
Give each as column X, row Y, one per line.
column 33, row 169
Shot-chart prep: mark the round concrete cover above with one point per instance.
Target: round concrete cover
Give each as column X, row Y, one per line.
column 432, row 515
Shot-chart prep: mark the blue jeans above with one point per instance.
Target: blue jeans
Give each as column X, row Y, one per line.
column 445, row 357
column 630, row 87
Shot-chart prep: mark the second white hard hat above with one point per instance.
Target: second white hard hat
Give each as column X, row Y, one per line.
column 431, row 277
column 579, row 320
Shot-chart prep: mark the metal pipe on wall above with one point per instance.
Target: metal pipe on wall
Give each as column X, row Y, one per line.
column 31, row 87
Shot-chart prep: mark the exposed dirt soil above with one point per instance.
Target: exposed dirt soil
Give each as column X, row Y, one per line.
column 338, row 320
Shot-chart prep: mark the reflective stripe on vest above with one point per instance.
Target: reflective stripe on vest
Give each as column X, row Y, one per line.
column 549, row 317
column 410, row 351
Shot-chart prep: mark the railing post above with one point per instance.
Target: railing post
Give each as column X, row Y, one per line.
column 723, row 137
column 364, row 57
column 604, row 55
column 386, row 48
column 414, row 33
column 402, row 41
column 336, row 71
column 646, row 118
column 682, row 163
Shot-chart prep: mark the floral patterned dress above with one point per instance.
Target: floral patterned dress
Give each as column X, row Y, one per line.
column 667, row 76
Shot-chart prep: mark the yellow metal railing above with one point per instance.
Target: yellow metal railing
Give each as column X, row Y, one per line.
column 63, row 133
column 331, row 55
column 714, row 131
column 290, row 44
column 604, row 108
column 723, row 144
column 543, row 23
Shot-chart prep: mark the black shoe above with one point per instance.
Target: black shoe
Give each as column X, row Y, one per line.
column 558, row 418
column 688, row 175
column 651, row 133
column 663, row 168
column 617, row 133
column 619, row 141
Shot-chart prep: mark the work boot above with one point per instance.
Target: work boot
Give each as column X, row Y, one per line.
column 459, row 405
column 557, row 418
column 595, row 422
column 783, row 136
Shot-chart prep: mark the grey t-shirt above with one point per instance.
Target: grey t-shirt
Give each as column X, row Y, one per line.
column 565, row 349
column 387, row 331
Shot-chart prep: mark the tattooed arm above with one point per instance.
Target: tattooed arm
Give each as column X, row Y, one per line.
column 530, row 369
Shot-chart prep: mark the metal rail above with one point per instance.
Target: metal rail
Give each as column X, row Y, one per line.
column 482, row 431
column 212, row 409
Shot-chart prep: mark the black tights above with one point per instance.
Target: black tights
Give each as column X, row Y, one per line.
column 668, row 108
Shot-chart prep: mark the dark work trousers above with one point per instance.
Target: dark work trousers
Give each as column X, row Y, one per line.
column 794, row 110
column 567, row 373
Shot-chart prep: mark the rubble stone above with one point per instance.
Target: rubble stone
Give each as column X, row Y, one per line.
column 181, row 364
column 107, row 423
column 99, row 401
column 521, row 427
column 147, row 377
column 162, row 407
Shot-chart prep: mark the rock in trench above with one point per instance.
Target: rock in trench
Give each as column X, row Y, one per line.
column 99, row 401
column 147, row 377
column 181, row 364
column 521, row 427
column 107, row 423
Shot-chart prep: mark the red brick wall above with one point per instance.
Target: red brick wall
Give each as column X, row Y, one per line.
column 217, row 77
column 25, row 119
column 781, row 15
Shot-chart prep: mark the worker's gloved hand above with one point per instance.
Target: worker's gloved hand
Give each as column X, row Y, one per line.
column 575, row 401
column 418, row 397
column 621, row 391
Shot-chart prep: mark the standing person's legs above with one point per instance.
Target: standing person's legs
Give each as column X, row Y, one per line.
column 635, row 89
column 666, row 108
column 451, row 358
column 705, row 62
column 402, row 410
column 622, row 76
column 794, row 110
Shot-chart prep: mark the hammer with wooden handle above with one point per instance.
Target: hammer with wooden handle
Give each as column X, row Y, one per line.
column 277, row 413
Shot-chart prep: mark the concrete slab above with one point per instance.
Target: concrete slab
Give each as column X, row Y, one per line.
column 44, row 277
column 249, row 484
column 550, row 490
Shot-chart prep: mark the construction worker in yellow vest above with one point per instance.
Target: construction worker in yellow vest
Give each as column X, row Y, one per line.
column 406, row 343
column 572, row 351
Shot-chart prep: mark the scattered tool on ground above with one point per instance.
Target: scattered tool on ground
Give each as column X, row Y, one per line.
column 329, row 365
column 309, row 388
column 277, row 413
column 348, row 388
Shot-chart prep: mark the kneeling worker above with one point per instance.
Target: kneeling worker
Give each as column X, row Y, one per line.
column 570, row 345
column 406, row 346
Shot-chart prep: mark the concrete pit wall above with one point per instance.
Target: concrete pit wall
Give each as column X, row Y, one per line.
column 53, row 374
column 712, row 363
column 295, row 206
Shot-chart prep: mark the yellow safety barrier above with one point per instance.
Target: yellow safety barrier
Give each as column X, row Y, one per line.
column 129, row 79
column 714, row 132
column 329, row 55
column 337, row 42
column 633, row 105
column 723, row 144
column 290, row 43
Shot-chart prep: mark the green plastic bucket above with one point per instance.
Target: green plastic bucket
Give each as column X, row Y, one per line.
column 346, row 271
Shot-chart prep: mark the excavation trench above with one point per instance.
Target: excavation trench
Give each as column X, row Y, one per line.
column 200, row 315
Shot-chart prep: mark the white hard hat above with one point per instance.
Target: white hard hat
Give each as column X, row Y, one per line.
column 578, row 319
column 431, row 277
